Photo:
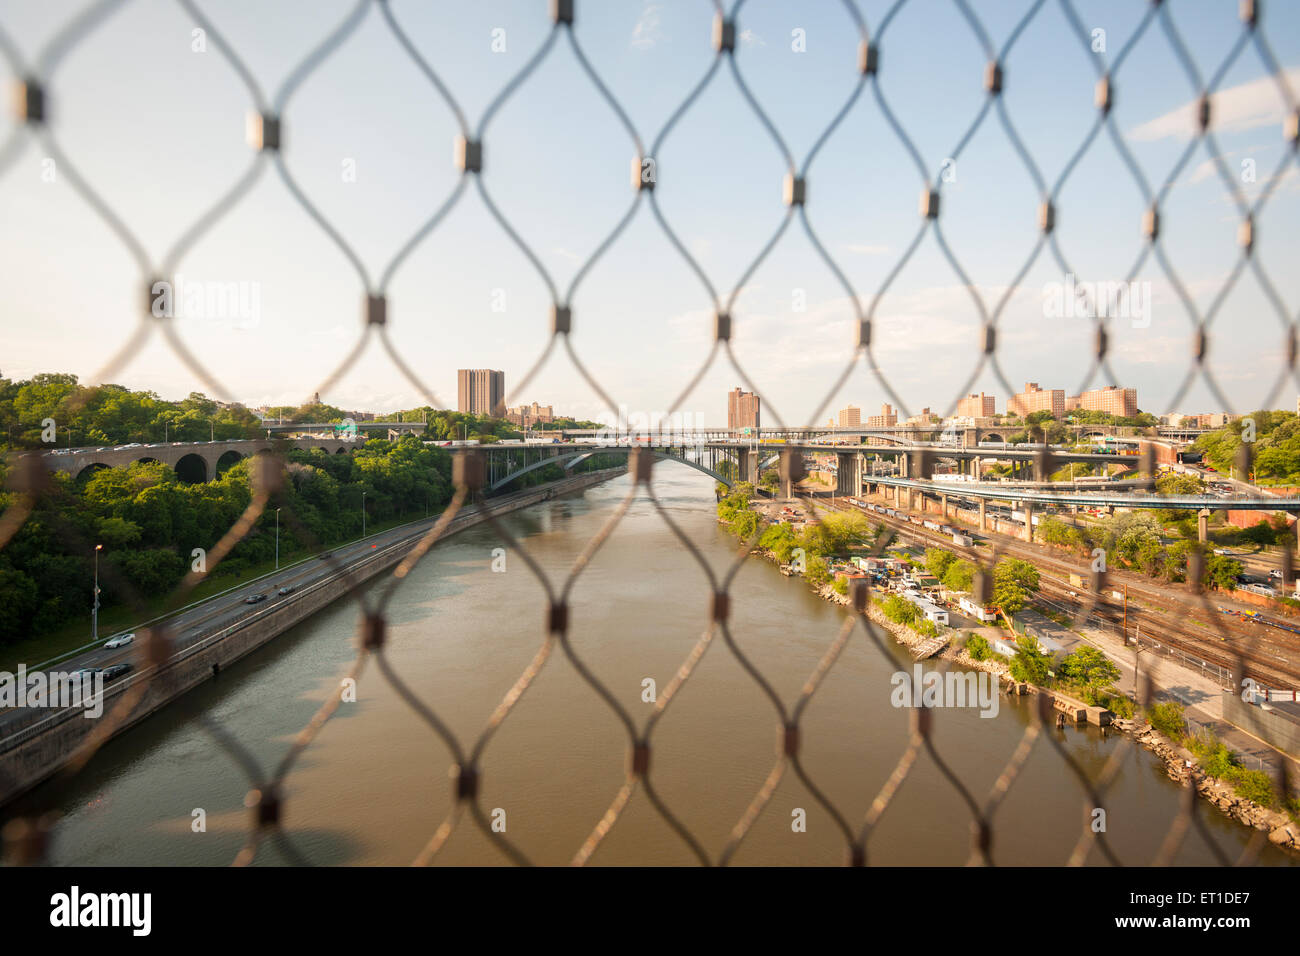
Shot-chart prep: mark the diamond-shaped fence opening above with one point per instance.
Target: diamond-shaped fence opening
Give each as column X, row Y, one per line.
column 36, row 78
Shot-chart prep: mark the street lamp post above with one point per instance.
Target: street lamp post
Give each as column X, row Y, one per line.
column 363, row 514
column 94, row 608
column 277, row 539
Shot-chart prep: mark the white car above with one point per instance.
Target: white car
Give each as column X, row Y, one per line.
column 121, row 640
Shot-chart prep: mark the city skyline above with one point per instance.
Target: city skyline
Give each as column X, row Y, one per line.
column 792, row 324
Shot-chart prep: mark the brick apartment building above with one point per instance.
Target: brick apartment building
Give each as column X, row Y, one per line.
column 977, row 406
column 526, row 416
column 1122, row 402
column 480, row 391
column 1035, row 399
column 886, row 419
column 743, row 409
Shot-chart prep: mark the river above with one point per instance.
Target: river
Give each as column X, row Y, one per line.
column 374, row 786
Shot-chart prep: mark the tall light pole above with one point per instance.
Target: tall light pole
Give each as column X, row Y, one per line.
column 94, row 608
column 363, row 514
column 277, row 539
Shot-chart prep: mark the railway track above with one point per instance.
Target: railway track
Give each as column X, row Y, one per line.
column 1270, row 661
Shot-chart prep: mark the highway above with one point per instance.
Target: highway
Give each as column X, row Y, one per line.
column 214, row 615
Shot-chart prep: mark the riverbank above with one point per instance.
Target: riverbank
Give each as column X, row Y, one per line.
column 1182, row 766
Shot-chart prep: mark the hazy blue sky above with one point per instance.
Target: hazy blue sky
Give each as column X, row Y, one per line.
column 158, row 129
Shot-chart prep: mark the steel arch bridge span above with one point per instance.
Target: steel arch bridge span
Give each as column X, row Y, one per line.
column 570, row 459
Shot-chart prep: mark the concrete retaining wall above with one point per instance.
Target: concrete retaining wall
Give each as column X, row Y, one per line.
column 1270, row 726
column 36, row 752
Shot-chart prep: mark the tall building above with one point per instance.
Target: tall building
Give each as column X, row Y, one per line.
column 743, row 409
column 526, row 416
column 480, row 391
column 1122, row 402
column 926, row 417
column 886, row 419
column 977, row 406
column 1035, row 399
column 852, row 415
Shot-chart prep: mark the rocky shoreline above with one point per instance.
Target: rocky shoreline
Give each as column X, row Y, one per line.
column 1180, row 763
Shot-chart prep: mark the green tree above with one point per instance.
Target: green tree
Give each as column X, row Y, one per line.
column 1031, row 663
column 938, row 561
column 818, row 572
column 960, row 575
column 779, row 538
column 1014, row 581
column 1221, row 572
column 1089, row 667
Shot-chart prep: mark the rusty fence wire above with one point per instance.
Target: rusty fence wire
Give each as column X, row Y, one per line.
column 36, row 76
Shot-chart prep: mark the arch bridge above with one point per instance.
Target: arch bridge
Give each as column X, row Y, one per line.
column 192, row 461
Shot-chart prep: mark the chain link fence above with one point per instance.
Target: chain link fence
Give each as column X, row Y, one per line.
column 37, row 79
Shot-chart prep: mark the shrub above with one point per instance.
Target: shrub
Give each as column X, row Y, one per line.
column 899, row 610
column 817, row 573
column 1254, row 785
column 1167, row 717
column 1031, row 664
column 978, row 647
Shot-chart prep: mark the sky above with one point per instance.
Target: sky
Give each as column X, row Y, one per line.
column 154, row 122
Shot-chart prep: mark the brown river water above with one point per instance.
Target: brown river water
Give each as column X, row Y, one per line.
column 374, row 786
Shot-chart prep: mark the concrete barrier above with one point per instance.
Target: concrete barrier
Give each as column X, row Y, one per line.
column 1279, row 725
column 36, row 752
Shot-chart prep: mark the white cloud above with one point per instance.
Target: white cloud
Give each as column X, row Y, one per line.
column 750, row 38
column 647, row 31
column 1242, row 107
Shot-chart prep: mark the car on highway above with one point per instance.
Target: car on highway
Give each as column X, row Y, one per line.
column 120, row 640
column 287, row 589
column 87, row 673
column 324, row 555
column 254, row 598
column 116, row 670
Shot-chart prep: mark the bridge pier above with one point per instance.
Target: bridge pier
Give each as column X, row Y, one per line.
column 848, row 476
column 1203, row 525
column 1029, row 522
column 984, row 514
column 943, row 505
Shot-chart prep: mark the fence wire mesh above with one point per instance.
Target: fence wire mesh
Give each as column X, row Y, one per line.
column 36, row 79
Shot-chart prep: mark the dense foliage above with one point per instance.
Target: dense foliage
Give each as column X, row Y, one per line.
column 1276, row 446
column 149, row 522
column 111, row 415
column 1014, row 581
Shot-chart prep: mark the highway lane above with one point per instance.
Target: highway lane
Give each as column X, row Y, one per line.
column 222, row 611
column 215, row 614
